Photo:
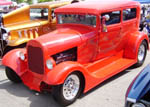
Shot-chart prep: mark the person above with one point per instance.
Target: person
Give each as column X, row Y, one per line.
column 42, row 13
column 143, row 10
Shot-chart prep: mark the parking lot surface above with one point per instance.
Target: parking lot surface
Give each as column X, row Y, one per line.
column 110, row 93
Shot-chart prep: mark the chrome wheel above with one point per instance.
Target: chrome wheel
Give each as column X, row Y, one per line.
column 71, row 87
column 138, row 105
column 141, row 53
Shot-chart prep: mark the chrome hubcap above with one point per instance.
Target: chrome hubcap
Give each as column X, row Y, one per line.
column 71, row 87
column 138, row 105
column 141, row 53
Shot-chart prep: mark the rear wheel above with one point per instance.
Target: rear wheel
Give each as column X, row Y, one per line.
column 11, row 75
column 69, row 91
column 142, row 51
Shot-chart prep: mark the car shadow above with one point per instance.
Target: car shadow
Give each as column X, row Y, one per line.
column 36, row 99
column 44, row 99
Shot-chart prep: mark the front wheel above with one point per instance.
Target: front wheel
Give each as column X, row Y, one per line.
column 69, row 91
column 11, row 75
column 142, row 51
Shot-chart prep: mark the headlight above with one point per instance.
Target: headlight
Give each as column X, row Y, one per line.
column 22, row 56
column 49, row 64
column 5, row 36
column 5, row 33
column 138, row 105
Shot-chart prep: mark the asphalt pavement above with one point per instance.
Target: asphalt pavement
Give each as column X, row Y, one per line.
column 110, row 93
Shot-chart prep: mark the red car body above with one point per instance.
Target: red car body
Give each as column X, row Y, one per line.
column 96, row 54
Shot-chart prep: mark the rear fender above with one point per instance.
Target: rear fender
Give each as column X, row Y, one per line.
column 60, row 72
column 132, row 46
column 12, row 60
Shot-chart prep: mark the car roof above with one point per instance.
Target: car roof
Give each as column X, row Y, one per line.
column 96, row 6
column 50, row 4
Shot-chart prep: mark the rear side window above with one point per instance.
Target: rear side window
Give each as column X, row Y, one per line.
column 129, row 14
column 114, row 17
column 38, row 13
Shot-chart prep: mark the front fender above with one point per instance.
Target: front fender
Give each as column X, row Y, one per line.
column 12, row 60
column 62, row 70
column 134, row 41
column 141, row 85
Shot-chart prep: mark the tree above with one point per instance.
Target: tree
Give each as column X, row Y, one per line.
column 44, row 1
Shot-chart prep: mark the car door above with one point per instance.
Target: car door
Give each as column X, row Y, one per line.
column 108, row 41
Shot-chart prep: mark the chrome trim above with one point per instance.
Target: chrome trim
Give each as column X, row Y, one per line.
column 131, row 100
column 19, row 33
column 71, row 87
column 25, row 33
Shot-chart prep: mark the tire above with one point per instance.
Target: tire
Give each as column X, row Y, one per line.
column 142, row 51
column 69, row 91
column 11, row 75
column 138, row 104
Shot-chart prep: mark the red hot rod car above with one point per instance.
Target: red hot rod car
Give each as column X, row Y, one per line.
column 93, row 42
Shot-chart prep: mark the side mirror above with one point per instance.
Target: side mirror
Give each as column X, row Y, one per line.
column 104, row 19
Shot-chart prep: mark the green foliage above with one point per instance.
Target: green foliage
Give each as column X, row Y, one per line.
column 44, row 1
column 30, row 1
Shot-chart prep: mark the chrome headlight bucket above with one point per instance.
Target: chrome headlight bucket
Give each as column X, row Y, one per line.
column 5, row 36
column 49, row 64
column 5, row 33
column 22, row 56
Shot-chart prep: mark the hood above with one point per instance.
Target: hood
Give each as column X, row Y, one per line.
column 59, row 40
column 23, row 25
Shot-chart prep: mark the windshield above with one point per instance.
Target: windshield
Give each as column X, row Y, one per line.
column 89, row 20
column 38, row 13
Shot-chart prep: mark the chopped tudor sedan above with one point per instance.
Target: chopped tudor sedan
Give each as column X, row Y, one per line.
column 92, row 42
column 138, row 93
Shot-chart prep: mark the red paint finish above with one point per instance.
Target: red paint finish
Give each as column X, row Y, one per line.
column 99, row 55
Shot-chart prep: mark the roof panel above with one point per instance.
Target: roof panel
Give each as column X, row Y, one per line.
column 95, row 6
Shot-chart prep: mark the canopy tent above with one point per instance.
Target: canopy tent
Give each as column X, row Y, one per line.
column 4, row 2
column 143, row 1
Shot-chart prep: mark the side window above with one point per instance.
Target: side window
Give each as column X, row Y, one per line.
column 114, row 17
column 38, row 13
column 129, row 14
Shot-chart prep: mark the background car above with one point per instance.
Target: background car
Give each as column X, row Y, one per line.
column 138, row 93
column 26, row 23
column 4, row 6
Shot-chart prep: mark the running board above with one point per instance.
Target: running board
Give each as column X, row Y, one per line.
column 113, row 68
